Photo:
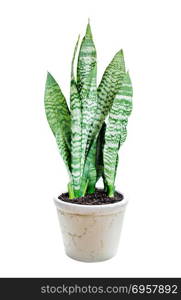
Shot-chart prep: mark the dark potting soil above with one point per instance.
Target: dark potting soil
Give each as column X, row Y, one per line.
column 97, row 198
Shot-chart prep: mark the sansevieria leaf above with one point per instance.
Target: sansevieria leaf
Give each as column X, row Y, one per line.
column 87, row 86
column 58, row 117
column 106, row 92
column 108, row 87
column 86, row 63
column 76, row 131
column 116, row 131
column 110, row 83
column 64, row 150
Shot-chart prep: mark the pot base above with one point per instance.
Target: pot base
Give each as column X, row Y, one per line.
column 96, row 260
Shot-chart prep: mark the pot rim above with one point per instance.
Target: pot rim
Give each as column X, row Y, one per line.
column 81, row 209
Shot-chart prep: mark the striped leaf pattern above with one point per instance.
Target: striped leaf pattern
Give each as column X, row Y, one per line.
column 76, row 130
column 88, row 113
column 116, row 131
column 86, row 82
column 110, row 84
column 58, row 117
column 64, row 151
column 86, row 63
column 88, row 142
column 90, row 167
column 94, row 160
column 107, row 90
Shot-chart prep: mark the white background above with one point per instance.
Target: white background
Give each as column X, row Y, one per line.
column 39, row 35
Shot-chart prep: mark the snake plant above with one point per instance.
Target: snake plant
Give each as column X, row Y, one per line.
column 90, row 132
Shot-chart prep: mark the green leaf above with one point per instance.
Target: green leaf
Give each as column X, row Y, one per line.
column 90, row 168
column 76, row 138
column 56, row 108
column 116, row 130
column 87, row 87
column 94, row 160
column 86, row 63
column 89, row 106
column 58, row 117
column 64, row 150
column 109, row 85
column 106, row 92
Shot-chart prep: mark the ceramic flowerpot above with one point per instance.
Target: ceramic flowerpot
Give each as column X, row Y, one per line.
column 91, row 233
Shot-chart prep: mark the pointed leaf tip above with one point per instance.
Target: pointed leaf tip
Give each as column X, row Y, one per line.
column 120, row 53
column 119, row 58
column 50, row 78
column 88, row 31
column 48, row 74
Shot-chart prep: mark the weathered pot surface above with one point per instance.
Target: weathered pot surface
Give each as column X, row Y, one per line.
column 91, row 233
